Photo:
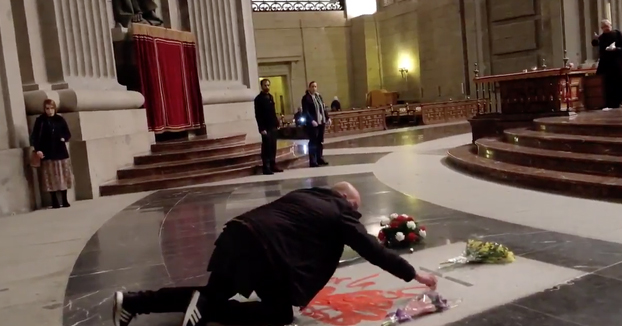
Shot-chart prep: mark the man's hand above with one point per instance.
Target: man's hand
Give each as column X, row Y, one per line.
column 40, row 154
column 329, row 122
column 595, row 36
column 62, row 139
column 427, row 280
column 314, row 123
column 263, row 132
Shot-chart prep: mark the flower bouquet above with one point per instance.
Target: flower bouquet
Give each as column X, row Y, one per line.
column 480, row 252
column 401, row 231
column 425, row 303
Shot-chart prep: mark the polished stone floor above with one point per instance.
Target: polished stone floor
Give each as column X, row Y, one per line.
column 165, row 239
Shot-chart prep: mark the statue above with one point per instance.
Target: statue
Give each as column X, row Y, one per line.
column 128, row 12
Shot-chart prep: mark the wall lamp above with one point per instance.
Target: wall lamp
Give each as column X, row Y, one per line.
column 404, row 72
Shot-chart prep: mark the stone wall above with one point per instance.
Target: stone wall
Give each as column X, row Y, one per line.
column 305, row 46
column 399, row 42
column 438, row 41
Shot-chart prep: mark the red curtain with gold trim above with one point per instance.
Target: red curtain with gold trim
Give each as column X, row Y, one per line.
column 167, row 66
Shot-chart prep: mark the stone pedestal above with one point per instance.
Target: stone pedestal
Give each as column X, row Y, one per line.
column 66, row 54
column 103, row 141
column 227, row 64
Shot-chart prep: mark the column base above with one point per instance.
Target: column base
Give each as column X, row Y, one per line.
column 16, row 189
column 231, row 118
column 237, row 94
column 103, row 142
column 71, row 100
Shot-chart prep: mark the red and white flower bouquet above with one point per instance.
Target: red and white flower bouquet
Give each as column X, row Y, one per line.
column 401, row 231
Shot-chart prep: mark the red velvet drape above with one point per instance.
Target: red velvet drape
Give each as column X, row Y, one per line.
column 167, row 66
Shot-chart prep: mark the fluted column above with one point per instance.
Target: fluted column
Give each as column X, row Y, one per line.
column 76, row 51
column 13, row 122
column 226, row 46
column 84, row 42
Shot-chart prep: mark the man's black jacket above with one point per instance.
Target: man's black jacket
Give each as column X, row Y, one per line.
column 265, row 112
column 303, row 234
column 308, row 109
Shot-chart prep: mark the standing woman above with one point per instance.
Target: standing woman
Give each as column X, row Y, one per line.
column 49, row 135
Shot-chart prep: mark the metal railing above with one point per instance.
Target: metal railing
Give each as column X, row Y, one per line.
column 285, row 6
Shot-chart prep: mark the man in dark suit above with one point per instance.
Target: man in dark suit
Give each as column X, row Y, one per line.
column 268, row 124
column 285, row 251
column 316, row 116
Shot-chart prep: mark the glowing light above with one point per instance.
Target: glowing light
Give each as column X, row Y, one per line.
column 405, row 61
column 355, row 8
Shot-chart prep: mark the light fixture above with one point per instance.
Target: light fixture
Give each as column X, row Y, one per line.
column 404, row 72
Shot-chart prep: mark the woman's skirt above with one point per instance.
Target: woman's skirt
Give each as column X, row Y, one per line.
column 56, row 175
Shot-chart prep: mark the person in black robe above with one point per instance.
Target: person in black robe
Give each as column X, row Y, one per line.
column 285, row 251
column 335, row 105
column 609, row 45
column 268, row 125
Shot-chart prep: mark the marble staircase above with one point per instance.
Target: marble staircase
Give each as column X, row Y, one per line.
column 578, row 155
column 190, row 162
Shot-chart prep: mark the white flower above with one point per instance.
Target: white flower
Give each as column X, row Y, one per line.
column 393, row 216
column 422, row 234
column 400, row 236
column 384, row 220
column 411, row 225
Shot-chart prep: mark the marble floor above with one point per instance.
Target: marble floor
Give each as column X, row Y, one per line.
column 568, row 270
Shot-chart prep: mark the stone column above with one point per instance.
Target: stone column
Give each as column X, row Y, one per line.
column 15, row 193
column 227, row 63
column 10, row 82
column 77, row 55
column 223, row 48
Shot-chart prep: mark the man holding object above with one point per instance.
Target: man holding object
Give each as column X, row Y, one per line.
column 285, row 251
column 609, row 44
column 268, row 124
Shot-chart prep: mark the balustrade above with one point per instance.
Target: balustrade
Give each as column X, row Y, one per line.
column 285, row 5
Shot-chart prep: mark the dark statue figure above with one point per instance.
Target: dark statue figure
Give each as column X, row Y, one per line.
column 127, row 12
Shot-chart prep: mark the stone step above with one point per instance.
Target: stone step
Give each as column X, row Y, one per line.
column 564, row 142
column 195, row 153
column 198, row 142
column 498, row 150
column 190, row 178
column 465, row 158
column 192, row 165
column 599, row 123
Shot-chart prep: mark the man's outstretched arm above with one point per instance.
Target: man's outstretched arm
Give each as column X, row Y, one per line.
column 368, row 247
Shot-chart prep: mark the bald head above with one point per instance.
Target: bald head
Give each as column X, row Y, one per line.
column 348, row 192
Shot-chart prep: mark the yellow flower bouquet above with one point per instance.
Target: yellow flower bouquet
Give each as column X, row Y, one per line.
column 481, row 252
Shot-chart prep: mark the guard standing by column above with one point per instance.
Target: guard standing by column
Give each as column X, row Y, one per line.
column 268, row 124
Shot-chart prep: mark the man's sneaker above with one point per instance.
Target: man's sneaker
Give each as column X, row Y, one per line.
column 194, row 315
column 120, row 315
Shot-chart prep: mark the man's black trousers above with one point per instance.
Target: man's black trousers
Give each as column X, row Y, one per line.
column 236, row 266
column 316, row 143
column 268, row 149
